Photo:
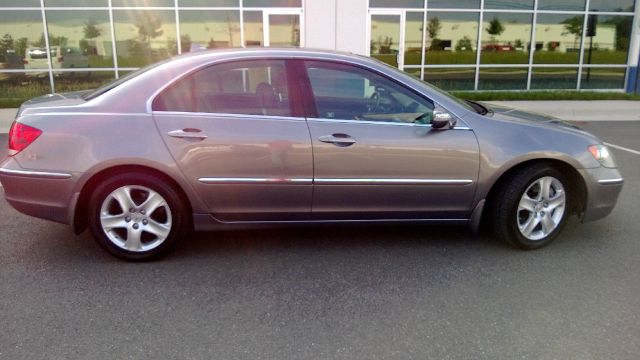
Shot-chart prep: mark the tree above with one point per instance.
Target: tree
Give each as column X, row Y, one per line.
column 149, row 27
column 574, row 26
column 464, row 44
column 495, row 29
column 6, row 43
column 433, row 29
column 90, row 30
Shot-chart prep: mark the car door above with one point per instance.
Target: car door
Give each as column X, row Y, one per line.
column 375, row 153
column 240, row 139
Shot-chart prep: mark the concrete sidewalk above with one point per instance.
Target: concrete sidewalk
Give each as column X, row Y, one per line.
column 593, row 110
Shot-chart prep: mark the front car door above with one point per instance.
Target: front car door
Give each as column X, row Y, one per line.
column 240, row 139
column 376, row 156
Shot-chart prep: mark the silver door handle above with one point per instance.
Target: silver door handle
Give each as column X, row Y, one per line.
column 338, row 139
column 188, row 133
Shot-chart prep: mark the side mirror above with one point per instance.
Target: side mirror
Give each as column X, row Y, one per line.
column 442, row 120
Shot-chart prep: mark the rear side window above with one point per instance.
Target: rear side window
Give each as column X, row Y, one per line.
column 256, row 87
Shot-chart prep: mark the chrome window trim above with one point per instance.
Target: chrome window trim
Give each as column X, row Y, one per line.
column 31, row 173
column 611, row 181
column 242, row 180
column 370, row 122
column 228, row 115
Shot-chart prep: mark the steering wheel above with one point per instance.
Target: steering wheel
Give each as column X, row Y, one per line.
column 374, row 102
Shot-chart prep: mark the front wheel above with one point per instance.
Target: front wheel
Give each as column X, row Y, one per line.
column 532, row 207
column 136, row 216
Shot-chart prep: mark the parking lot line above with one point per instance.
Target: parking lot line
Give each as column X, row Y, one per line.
column 623, row 148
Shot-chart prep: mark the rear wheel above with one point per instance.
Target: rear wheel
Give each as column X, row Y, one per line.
column 136, row 216
column 531, row 207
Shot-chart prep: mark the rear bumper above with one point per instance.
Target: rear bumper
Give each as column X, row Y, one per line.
column 603, row 188
column 43, row 194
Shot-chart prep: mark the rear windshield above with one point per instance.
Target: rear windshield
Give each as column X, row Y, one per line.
column 117, row 82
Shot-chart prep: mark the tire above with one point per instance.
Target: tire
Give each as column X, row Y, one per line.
column 526, row 215
column 158, row 220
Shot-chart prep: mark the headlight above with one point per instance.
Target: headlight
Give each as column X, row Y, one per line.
column 602, row 154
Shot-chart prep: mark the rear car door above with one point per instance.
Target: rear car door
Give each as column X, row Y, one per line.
column 237, row 134
column 375, row 153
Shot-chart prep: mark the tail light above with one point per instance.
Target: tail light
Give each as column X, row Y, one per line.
column 21, row 136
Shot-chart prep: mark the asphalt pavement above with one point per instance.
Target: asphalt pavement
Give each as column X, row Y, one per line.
column 384, row 292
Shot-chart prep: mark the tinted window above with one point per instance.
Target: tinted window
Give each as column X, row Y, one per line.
column 247, row 87
column 351, row 93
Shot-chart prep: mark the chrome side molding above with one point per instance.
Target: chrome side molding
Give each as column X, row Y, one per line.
column 30, row 173
column 333, row 181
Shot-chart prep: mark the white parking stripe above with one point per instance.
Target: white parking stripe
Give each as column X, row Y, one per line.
column 623, row 148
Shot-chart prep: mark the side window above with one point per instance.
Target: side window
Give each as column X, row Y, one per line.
column 347, row 92
column 256, row 87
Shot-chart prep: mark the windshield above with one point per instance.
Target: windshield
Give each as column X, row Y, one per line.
column 117, row 82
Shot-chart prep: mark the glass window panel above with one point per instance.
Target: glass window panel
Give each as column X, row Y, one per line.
column 558, row 39
column 451, row 78
column 413, row 72
column 452, row 38
column 508, row 4
column 81, row 80
column 200, row 29
column 573, row 5
column 284, row 30
column 80, row 39
column 20, row 32
column 454, row 4
column 144, row 36
column 554, row 78
column 84, row 3
column 142, row 3
column 503, row 79
column 209, row 3
column 610, row 44
column 413, row 38
column 24, row 86
column 351, row 93
column 602, row 78
column 272, row 3
column 20, row 3
column 611, row 5
column 248, row 87
column 396, row 4
column 505, row 38
column 385, row 36
column 253, row 34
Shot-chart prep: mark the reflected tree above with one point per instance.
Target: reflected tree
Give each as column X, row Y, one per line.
column 433, row 29
column 495, row 29
column 574, row 27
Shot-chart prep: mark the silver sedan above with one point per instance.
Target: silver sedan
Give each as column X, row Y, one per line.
column 253, row 137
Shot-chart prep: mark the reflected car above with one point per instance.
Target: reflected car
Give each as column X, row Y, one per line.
column 245, row 138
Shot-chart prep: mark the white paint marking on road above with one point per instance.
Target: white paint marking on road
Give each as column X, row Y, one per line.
column 623, row 148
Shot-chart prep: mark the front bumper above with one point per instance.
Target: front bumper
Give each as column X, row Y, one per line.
column 603, row 188
column 43, row 194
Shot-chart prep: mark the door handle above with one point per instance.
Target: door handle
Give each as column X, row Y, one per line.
column 338, row 139
column 188, row 133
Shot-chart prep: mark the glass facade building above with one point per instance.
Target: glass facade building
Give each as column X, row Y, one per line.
column 66, row 45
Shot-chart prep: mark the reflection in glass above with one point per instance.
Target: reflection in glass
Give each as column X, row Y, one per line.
column 209, row 29
column 509, row 4
column 554, row 78
column 610, row 44
column 23, row 86
column 602, row 78
column 21, row 34
column 142, row 3
column 503, row 79
column 144, row 36
column 284, row 30
column 454, row 4
column 20, row 3
column 573, row 5
column 78, row 3
column 272, row 3
column 451, row 78
column 558, row 38
column 413, row 38
column 81, row 80
column 80, row 39
column 385, row 35
column 209, row 3
column 611, row 5
column 397, row 4
column 253, row 35
column 505, row 38
column 452, row 38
